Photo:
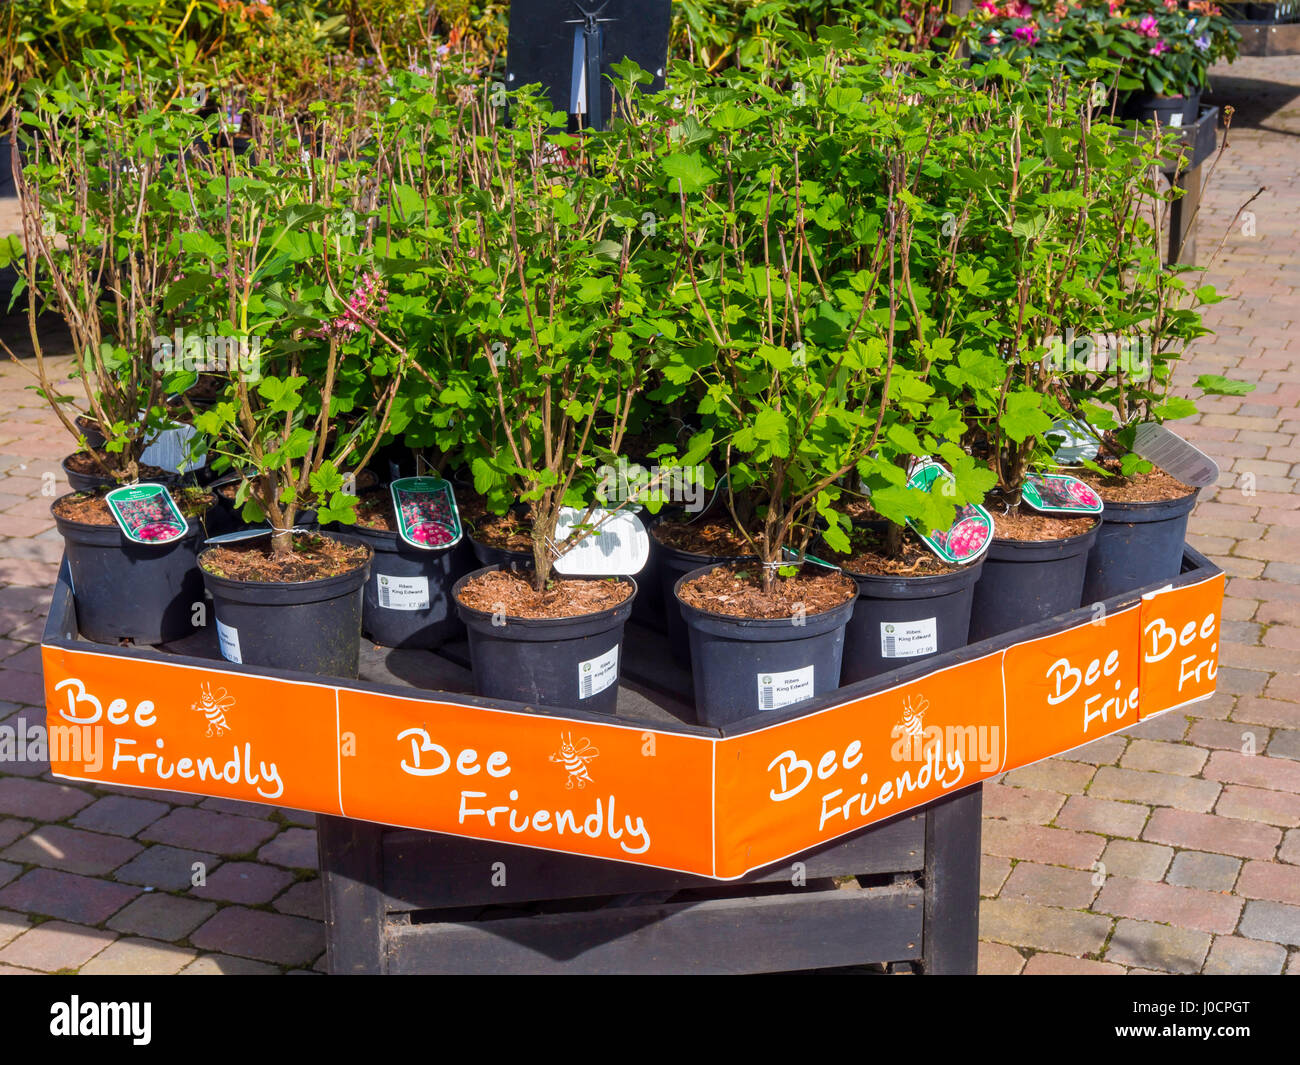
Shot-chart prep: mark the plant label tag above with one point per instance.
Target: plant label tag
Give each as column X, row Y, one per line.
column 240, row 534
column 907, row 639
column 616, row 545
column 1076, row 442
column 1175, row 455
column 782, row 689
column 426, row 511
column 597, row 674
column 402, row 593
column 228, row 637
column 1058, row 493
column 971, row 531
column 146, row 514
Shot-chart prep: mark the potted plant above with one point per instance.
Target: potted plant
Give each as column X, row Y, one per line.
column 102, row 225
column 1042, row 249
column 102, row 219
column 273, row 263
column 1163, row 50
column 1121, row 379
column 562, row 318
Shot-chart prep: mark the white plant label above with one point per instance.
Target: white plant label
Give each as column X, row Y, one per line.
column 618, row 545
column 229, row 637
column 597, row 674
column 781, row 689
column 907, row 639
column 403, row 593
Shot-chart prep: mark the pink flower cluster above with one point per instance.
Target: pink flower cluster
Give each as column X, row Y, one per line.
column 1026, row 34
column 369, row 297
column 1147, row 26
column 1011, row 9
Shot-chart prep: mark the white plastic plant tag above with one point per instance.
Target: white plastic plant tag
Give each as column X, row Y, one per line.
column 1175, row 455
column 228, row 636
column 782, row 689
column 146, row 514
column 170, row 449
column 907, row 639
column 402, row 593
column 617, row 546
column 1077, row 443
column 597, row 674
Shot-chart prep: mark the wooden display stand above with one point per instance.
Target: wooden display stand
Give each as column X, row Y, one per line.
column 904, row 893
column 824, row 834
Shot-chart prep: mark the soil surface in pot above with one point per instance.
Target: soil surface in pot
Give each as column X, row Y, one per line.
column 1027, row 524
column 375, row 511
column 81, row 462
column 89, row 508
column 714, row 538
column 313, row 558
column 508, row 531
column 490, row 592
column 869, row 558
column 738, row 593
column 1155, row 486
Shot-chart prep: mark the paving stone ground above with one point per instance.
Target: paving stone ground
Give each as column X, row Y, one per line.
column 1172, row 848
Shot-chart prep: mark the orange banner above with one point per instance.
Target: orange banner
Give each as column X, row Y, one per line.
column 711, row 805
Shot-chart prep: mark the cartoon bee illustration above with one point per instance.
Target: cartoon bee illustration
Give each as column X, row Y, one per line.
column 575, row 757
column 213, row 707
column 912, row 715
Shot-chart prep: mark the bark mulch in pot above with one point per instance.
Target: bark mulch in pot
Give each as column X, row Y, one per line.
column 739, row 593
column 869, row 559
column 514, row 594
column 1025, row 525
column 713, row 538
column 313, row 558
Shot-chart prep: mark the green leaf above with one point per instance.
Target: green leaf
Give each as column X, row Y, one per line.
column 1216, row 385
column 688, row 173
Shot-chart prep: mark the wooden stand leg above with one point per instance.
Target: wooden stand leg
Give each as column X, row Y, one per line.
column 952, row 878
column 351, row 867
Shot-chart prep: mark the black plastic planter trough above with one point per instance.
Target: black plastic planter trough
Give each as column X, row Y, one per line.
column 718, row 832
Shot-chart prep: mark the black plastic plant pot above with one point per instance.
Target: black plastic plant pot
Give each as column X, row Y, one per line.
column 408, row 596
column 673, row 565
column 1173, row 111
column 128, row 591
column 570, row 663
column 900, row 620
column 311, row 626
column 1024, row 581
column 1138, row 543
column 649, row 606
column 747, row 666
column 487, row 555
column 84, row 482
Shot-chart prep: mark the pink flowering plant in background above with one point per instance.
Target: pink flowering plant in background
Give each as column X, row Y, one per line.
column 1149, row 47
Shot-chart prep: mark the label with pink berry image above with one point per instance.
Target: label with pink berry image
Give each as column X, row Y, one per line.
column 427, row 517
column 1058, row 493
column 146, row 514
column 971, row 531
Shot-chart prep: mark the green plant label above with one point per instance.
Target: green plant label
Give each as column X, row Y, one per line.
column 971, row 531
column 427, row 517
column 1058, row 493
column 146, row 514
